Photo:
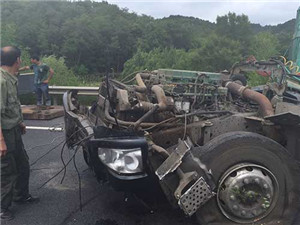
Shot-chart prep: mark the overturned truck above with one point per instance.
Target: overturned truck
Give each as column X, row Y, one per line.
column 217, row 149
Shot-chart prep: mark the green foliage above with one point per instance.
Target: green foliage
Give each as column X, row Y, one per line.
column 264, row 45
column 157, row 58
column 216, row 54
column 254, row 79
column 174, row 32
column 94, row 37
column 25, row 57
column 80, row 70
column 219, row 53
column 62, row 75
column 9, row 36
column 235, row 27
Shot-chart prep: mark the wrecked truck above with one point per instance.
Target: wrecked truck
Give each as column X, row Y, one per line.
column 218, row 150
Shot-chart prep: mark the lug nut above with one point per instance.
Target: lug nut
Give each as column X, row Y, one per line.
column 235, row 207
column 265, row 186
column 246, row 181
column 256, row 180
column 243, row 213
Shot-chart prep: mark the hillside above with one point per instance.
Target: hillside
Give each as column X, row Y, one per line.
column 98, row 36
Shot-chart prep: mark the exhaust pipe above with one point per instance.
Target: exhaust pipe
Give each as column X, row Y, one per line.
column 264, row 103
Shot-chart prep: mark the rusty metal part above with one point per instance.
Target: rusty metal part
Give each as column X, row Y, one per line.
column 160, row 150
column 164, row 102
column 263, row 101
column 144, row 117
column 123, row 123
column 139, row 80
column 145, row 106
column 169, row 137
column 160, row 96
column 140, row 89
column 110, row 119
column 201, row 112
column 141, row 84
column 174, row 160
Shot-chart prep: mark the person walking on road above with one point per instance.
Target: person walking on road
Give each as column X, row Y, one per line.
column 14, row 159
column 42, row 75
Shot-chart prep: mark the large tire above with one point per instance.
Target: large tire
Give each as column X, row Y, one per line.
column 241, row 148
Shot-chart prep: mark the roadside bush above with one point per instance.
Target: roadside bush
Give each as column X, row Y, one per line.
column 63, row 76
column 254, row 79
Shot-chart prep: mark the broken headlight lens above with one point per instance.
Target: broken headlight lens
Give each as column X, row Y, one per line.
column 122, row 160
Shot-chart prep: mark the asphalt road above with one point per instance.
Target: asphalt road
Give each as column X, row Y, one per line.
column 59, row 202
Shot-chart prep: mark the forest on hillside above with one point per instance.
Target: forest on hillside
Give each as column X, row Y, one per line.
column 97, row 37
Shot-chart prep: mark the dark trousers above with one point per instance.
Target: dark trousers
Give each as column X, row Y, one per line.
column 40, row 90
column 14, row 169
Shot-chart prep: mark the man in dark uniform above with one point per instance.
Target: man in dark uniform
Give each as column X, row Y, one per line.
column 14, row 159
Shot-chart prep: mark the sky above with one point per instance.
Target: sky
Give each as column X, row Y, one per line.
column 264, row 12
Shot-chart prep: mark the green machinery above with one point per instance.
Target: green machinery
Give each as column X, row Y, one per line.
column 295, row 50
column 293, row 65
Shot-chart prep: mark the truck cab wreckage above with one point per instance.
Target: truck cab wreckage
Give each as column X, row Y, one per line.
column 218, row 150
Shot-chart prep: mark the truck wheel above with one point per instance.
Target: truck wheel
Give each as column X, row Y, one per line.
column 239, row 78
column 257, row 181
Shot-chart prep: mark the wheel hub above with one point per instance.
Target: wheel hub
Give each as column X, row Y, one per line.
column 247, row 193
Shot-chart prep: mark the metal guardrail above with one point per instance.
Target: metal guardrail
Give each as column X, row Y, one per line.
column 26, row 86
column 60, row 90
column 26, row 74
column 55, row 91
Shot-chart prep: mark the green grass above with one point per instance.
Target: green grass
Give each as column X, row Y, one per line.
column 253, row 79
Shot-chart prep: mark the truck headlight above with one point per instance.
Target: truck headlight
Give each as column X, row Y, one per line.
column 125, row 161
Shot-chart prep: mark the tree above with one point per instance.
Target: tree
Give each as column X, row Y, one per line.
column 264, row 45
column 235, row 27
column 8, row 34
column 219, row 53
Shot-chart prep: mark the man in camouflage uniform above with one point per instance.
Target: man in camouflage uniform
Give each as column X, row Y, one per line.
column 14, row 159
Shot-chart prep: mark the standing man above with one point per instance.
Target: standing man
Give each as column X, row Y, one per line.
column 14, row 159
column 41, row 79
